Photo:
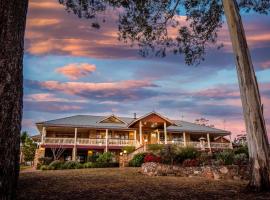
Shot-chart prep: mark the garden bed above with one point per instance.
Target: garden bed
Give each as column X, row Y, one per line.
column 228, row 172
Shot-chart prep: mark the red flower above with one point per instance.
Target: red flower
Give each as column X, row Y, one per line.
column 151, row 158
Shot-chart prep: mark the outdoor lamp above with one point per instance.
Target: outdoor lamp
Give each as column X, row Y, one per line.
column 121, row 153
column 145, row 140
column 125, row 151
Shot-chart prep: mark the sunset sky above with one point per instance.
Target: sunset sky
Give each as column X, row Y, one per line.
column 71, row 68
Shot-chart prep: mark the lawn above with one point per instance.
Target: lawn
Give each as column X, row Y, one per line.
column 125, row 183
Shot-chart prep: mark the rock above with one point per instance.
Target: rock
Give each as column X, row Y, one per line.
column 236, row 178
column 224, row 170
column 196, row 172
column 216, row 176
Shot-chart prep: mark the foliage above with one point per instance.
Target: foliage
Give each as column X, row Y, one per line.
column 44, row 167
column 29, row 149
column 56, row 164
column 88, row 165
column 225, row 157
column 106, row 157
column 155, row 147
column 137, row 160
column 104, row 165
column 152, row 158
column 92, row 158
column 45, row 160
column 190, row 163
column 168, row 154
column 128, row 149
column 242, row 149
column 205, row 159
column 71, row 165
column 186, row 153
column 240, row 159
column 24, row 135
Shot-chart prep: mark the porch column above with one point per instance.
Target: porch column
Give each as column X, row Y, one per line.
column 43, row 134
column 106, row 141
column 184, row 138
column 158, row 137
column 231, row 145
column 208, row 142
column 74, row 152
column 165, row 132
column 140, row 129
column 135, row 137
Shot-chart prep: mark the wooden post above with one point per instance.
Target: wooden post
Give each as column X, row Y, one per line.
column 106, row 140
column 208, row 142
column 135, row 137
column 140, row 129
column 74, row 152
column 165, row 133
column 158, row 136
column 43, row 133
column 258, row 144
column 184, row 138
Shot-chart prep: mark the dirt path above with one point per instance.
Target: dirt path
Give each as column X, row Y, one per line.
column 125, row 183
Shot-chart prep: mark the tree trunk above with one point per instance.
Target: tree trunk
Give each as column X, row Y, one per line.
column 12, row 28
column 258, row 144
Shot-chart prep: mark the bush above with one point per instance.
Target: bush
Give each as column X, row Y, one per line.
column 225, row 157
column 137, row 160
column 128, row 149
column 72, row 165
column 57, row 164
column 155, row 147
column 190, row 163
column 88, row 165
column 45, row 160
column 168, row 154
column 92, row 158
column 186, row 153
column 104, row 165
column 151, row 158
column 240, row 159
column 242, row 149
column 205, row 159
column 43, row 167
column 106, row 157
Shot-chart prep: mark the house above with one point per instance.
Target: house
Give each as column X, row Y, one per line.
column 83, row 134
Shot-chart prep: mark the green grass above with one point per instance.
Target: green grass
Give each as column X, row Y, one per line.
column 127, row 183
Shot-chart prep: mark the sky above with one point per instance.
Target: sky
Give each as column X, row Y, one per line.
column 71, row 68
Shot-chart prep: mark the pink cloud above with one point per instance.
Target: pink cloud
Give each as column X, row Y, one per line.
column 75, row 71
column 265, row 64
column 48, row 97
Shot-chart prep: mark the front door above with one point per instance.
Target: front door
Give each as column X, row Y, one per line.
column 153, row 138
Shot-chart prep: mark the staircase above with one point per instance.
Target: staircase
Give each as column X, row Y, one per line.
column 40, row 152
column 140, row 149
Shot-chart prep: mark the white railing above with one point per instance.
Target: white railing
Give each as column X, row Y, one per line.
column 196, row 144
column 59, row 140
column 121, row 142
column 216, row 145
column 90, row 141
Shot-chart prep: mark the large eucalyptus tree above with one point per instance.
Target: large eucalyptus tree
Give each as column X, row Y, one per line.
column 12, row 28
column 148, row 24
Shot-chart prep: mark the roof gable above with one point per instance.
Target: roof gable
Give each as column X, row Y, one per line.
column 112, row 119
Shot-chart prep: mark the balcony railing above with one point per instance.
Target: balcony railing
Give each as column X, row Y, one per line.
column 215, row 145
column 90, row 141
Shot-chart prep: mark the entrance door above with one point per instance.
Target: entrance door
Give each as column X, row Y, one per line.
column 154, row 139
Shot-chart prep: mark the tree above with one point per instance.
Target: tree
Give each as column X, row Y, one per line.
column 57, row 152
column 148, row 24
column 12, row 28
column 24, row 135
column 29, row 149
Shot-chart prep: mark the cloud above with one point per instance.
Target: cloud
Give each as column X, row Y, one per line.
column 49, row 97
column 75, row 71
column 42, row 22
column 122, row 90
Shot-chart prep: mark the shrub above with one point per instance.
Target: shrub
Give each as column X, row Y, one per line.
column 205, row 159
column 51, row 168
column 190, row 163
column 92, row 158
column 88, row 165
column 128, row 149
column 186, row 153
column 240, row 159
column 155, row 147
column 72, row 165
column 45, row 160
column 241, row 149
column 106, row 157
column 168, row 154
column 151, row 158
column 57, row 164
column 43, row 167
column 225, row 157
column 104, row 165
column 137, row 160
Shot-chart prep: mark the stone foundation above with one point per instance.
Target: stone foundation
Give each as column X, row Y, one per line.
column 229, row 172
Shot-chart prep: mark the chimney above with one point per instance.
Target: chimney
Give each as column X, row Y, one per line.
column 134, row 116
